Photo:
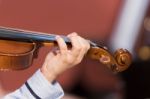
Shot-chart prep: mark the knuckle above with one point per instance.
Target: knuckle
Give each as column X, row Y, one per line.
column 65, row 60
column 70, row 61
column 77, row 48
column 75, row 55
column 88, row 47
column 84, row 47
column 64, row 49
column 64, row 56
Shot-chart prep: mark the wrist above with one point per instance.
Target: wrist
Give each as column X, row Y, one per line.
column 49, row 75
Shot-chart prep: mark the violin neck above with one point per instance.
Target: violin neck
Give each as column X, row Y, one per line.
column 23, row 35
column 31, row 36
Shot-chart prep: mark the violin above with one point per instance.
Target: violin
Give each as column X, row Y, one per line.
column 18, row 48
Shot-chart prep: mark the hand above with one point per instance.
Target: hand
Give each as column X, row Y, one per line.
column 60, row 60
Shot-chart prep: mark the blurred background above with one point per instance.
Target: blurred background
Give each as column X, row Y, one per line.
column 111, row 23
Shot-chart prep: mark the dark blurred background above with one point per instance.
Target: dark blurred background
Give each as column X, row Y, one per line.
column 112, row 23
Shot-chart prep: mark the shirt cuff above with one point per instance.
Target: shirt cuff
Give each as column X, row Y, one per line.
column 42, row 88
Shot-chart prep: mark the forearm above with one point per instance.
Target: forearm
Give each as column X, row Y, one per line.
column 37, row 87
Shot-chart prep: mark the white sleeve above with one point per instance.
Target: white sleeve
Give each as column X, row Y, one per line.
column 37, row 87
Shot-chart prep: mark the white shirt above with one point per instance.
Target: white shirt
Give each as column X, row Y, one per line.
column 37, row 87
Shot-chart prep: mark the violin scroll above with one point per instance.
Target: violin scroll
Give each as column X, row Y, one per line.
column 118, row 62
column 123, row 59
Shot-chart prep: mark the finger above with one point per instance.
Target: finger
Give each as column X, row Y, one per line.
column 49, row 56
column 56, row 52
column 76, row 46
column 84, row 48
column 85, row 43
column 62, row 45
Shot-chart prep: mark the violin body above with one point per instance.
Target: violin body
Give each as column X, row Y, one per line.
column 16, row 55
column 19, row 47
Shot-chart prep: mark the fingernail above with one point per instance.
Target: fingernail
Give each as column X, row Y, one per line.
column 57, row 37
column 72, row 34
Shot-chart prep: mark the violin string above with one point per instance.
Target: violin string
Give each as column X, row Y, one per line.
column 19, row 33
column 29, row 34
